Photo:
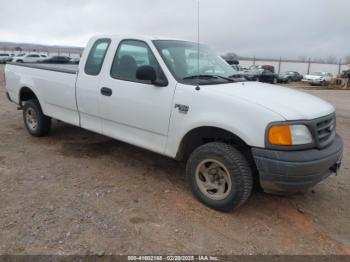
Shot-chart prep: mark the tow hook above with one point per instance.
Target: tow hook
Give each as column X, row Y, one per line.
column 335, row 167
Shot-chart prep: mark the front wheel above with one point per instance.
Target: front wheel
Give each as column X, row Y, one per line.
column 219, row 176
column 35, row 121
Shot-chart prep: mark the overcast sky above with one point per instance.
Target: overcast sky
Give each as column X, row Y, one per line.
column 264, row 28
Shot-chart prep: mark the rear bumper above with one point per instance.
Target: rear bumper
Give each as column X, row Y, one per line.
column 292, row 171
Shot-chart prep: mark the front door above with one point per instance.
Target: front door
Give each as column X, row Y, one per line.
column 135, row 111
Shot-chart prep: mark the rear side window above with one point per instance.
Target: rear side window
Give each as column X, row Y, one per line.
column 96, row 56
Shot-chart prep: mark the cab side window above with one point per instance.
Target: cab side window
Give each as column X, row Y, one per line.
column 96, row 57
column 132, row 54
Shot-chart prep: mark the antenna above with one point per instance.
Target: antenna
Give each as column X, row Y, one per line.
column 198, row 88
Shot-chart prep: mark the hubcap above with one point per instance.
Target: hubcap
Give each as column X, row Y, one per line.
column 213, row 179
column 31, row 119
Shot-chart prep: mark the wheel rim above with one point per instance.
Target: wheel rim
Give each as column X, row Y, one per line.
column 213, row 179
column 31, row 119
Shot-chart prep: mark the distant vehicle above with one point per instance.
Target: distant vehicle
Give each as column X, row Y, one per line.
column 42, row 57
column 238, row 68
column 75, row 60
column 5, row 58
column 239, row 74
column 57, row 60
column 232, row 61
column 289, row 76
column 268, row 67
column 318, row 78
column 27, row 58
column 263, row 74
column 20, row 55
column 345, row 74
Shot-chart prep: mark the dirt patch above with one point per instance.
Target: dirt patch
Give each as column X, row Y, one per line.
column 86, row 149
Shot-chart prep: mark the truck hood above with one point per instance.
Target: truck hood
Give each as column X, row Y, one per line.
column 289, row 103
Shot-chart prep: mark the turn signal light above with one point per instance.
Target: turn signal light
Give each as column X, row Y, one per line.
column 280, row 135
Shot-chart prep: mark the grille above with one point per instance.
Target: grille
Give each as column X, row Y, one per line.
column 325, row 130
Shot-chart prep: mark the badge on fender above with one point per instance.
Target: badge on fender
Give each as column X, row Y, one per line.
column 182, row 108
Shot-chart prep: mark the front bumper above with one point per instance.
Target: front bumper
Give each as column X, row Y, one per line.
column 292, row 171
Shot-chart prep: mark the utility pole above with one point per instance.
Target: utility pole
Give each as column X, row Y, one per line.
column 339, row 66
column 279, row 65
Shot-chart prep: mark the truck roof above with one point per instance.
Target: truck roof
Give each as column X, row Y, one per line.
column 139, row 37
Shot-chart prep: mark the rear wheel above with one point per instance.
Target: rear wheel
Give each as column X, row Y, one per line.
column 35, row 121
column 219, row 176
column 19, row 61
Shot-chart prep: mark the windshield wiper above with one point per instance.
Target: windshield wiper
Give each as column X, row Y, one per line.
column 237, row 78
column 208, row 76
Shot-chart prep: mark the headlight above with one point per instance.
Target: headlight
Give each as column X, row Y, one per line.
column 288, row 135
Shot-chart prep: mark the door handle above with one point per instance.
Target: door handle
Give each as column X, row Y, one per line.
column 106, row 91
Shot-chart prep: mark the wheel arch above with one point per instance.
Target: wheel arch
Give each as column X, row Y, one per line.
column 26, row 94
column 205, row 134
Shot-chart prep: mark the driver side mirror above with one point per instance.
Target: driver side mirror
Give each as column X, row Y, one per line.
column 148, row 73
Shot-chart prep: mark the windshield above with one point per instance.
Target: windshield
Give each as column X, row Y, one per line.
column 189, row 67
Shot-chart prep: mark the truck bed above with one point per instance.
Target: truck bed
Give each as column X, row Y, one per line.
column 53, row 85
column 64, row 68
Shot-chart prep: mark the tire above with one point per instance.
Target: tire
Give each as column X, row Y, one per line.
column 231, row 164
column 19, row 61
column 35, row 121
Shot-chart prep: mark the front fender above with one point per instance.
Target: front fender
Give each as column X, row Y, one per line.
column 240, row 117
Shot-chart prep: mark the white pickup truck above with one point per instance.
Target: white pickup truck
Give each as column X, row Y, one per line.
column 183, row 101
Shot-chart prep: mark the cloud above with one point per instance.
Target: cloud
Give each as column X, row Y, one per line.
column 269, row 28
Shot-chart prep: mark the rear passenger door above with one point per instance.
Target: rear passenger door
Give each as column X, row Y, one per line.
column 87, row 86
column 135, row 111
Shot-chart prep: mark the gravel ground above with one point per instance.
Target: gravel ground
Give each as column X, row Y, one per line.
column 76, row 192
